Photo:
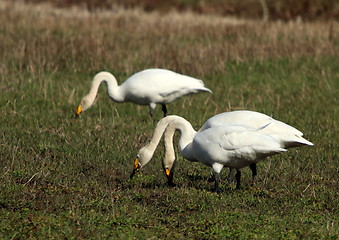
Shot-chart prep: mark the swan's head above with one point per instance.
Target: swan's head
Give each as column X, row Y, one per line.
column 168, row 165
column 143, row 157
column 85, row 104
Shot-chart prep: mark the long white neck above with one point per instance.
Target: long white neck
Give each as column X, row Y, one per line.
column 146, row 153
column 112, row 87
column 169, row 156
column 187, row 133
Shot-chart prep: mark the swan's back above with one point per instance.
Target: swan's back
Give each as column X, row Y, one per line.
column 288, row 135
column 244, row 117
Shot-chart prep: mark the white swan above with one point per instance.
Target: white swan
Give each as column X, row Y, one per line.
column 231, row 146
column 286, row 135
column 148, row 87
column 168, row 162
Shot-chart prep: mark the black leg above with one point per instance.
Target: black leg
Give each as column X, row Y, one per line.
column 164, row 109
column 230, row 177
column 253, row 167
column 237, row 177
column 211, row 178
column 151, row 112
column 216, row 183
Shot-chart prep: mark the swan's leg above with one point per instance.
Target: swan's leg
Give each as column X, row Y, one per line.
column 230, row 177
column 164, row 109
column 217, row 169
column 253, row 167
column 151, row 108
column 211, row 178
column 216, row 182
column 237, row 177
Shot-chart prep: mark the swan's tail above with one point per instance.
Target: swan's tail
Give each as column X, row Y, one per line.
column 203, row 89
column 293, row 141
column 300, row 141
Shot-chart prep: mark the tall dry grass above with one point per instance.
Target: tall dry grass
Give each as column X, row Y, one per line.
column 51, row 39
column 250, row 9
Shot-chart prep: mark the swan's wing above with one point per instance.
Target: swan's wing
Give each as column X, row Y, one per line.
column 251, row 119
column 286, row 134
column 234, row 149
column 250, row 141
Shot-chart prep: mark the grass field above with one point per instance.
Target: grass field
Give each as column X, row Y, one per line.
column 67, row 178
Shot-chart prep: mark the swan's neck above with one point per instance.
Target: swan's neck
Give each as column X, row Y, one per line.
column 113, row 89
column 169, row 156
column 147, row 152
column 157, row 134
column 187, row 133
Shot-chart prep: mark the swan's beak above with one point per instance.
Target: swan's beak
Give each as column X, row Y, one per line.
column 169, row 176
column 168, row 172
column 136, row 167
column 79, row 111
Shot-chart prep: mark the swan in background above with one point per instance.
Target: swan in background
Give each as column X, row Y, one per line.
column 286, row 135
column 147, row 87
column 230, row 146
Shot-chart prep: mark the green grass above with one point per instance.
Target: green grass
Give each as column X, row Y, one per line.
column 62, row 177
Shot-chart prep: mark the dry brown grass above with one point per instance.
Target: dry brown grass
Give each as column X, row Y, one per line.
column 250, row 9
column 128, row 40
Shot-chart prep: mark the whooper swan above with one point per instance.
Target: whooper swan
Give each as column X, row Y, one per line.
column 148, row 87
column 223, row 146
column 286, row 135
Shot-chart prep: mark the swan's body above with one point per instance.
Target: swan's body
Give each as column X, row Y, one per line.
column 218, row 147
column 284, row 134
column 169, row 156
column 148, row 87
column 230, row 146
column 287, row 135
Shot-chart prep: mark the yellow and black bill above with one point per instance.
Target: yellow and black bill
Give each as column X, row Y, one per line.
column 136, row 167
column 169, row 176
column 79, row 111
